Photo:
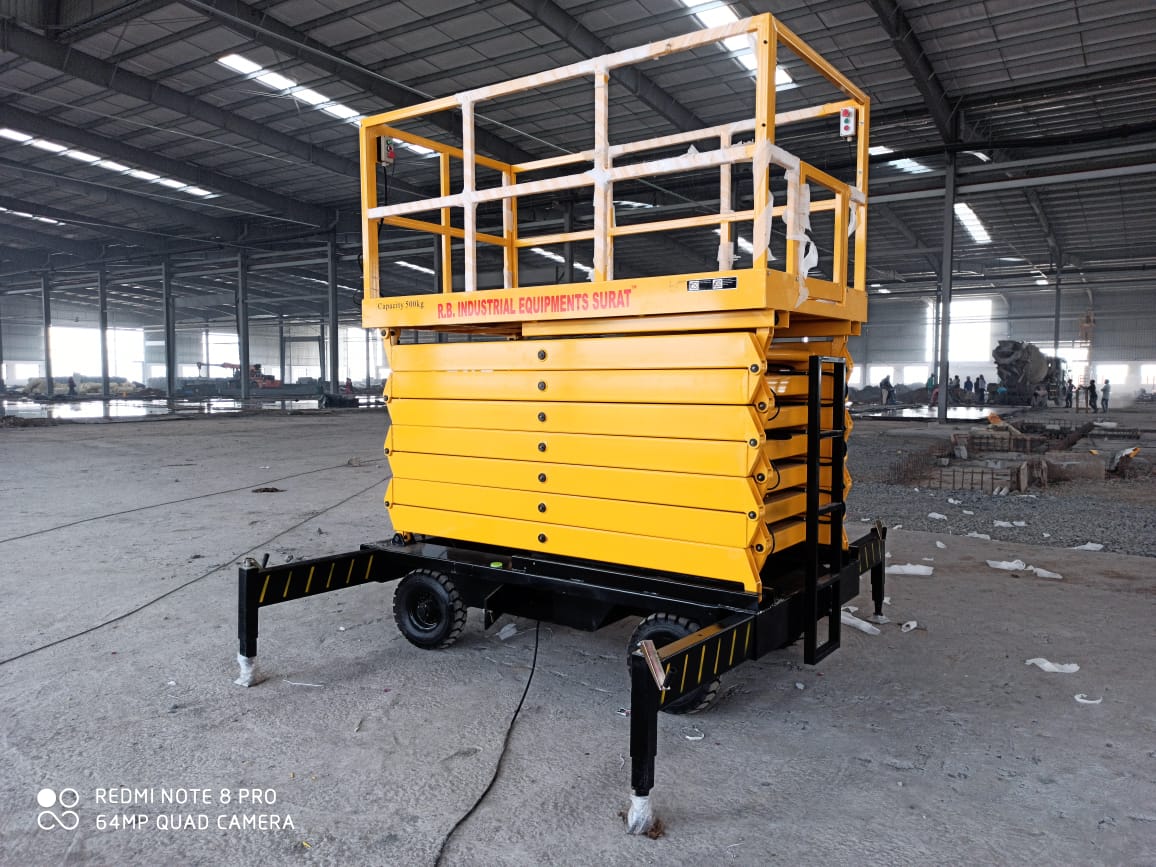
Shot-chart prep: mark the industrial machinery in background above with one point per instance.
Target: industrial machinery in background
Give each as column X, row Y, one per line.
column 668, row 447
column 262, row 386
column 1028, row 375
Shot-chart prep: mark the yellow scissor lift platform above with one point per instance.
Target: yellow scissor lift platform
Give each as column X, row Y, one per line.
column 644, row 444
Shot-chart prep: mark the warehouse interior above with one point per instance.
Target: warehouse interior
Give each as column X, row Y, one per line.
column 181, row 255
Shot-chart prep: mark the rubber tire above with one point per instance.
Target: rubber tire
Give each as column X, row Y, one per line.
column 428, row 610
column 665, row 629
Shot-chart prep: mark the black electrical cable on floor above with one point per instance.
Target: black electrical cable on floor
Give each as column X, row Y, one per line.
column 178, row 502
column 501, row 756
column 202, row 577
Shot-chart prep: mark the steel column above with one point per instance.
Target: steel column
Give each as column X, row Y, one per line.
column 243, row 320
column 46, row 306
column 1056, row 331
column 3, row 384
column 170, row 310
column 102, row 297
column 945, row 283
column 281, row 348
column 333, row 324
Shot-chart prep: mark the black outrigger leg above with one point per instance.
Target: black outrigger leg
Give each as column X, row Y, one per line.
column 248, row 593
column 673, row 671
column 644, row 694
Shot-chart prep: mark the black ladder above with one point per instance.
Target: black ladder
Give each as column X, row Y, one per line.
column 824, row 562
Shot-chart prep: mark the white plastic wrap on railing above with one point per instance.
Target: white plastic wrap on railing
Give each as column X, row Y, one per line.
column 469, row 188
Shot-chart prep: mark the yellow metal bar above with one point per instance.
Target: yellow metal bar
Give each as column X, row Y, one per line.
column 689, row 558
column 783, row 118
column 793, row 531
column 807, row 54
column 369, row 245
column 512, row 248
column 446, row 103
column 603, row 197
column 677, row 322
column 862, row 166
column 556, row 238
column 702, row 457
column 439, row 147
column 794, row 386
column 839, row 255
column 726, row 234
column 683, row 222
column 681, row 421
column 733, row 529
column 793, row 473
column 446, row 243
column 813, row 328
column 468, row 205
column 555, row 162
column 609, row 386
column 673, row 488
column 439, row 229
column 765, row 52
column 733, row 349
column 778, row 448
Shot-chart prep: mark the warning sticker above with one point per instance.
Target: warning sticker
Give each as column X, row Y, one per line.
column 710, row 284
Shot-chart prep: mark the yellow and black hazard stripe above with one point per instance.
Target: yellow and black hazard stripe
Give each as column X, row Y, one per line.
column 869, row 551
column 704, row 655
column 313, row 577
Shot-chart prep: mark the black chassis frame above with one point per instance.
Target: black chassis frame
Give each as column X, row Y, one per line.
column 797, row 594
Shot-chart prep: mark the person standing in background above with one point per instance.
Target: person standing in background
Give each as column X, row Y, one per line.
column 1105, row 392
column 980, row 389
column 1069, row 393
column 1092, row 398
column 888, row 390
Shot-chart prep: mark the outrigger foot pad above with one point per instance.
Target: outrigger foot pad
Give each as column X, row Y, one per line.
column 250, row 675
column 640, row 818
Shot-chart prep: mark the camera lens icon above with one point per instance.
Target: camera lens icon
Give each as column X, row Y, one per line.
column 48, row 798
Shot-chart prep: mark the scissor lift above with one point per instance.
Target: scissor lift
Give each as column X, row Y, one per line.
column 668, row 447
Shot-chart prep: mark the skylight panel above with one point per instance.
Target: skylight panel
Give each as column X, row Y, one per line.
column 549, row 254
column 740, row 47
column 718, row 16
column 343, row 112
column 972, row 223
column 310, row 96
column 276, row 81
column 108, row 165
column 26, row 216
column 413, row 267
column 904, row 165
column 240, row 64
column 50, row 146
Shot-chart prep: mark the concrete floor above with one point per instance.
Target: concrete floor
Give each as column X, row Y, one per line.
column 933, row 746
